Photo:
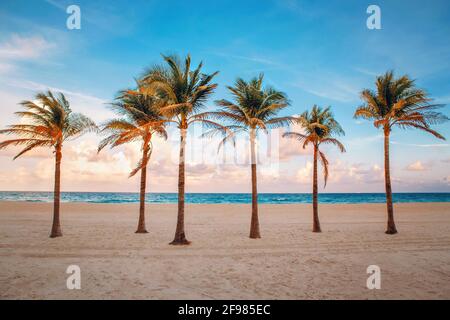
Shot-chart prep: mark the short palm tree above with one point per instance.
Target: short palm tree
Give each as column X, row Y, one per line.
column 186, row 92
column 141, row 119
column 50, row 123
column 397, row 102
column 319, row 128
column 254, row 108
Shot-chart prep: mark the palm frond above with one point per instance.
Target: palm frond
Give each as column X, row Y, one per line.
column 280, row 122
column 405, row 125
column 295, row 135
column 335, row 142
column 324, row 162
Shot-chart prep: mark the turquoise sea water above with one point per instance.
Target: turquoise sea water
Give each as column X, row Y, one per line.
column 273, row 198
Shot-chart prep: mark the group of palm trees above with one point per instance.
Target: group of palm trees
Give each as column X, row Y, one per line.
column 173, row 93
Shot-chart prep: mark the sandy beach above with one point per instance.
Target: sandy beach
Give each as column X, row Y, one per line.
column 289, row 262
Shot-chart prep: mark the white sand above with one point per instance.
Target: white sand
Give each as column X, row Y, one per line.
column 289, row 262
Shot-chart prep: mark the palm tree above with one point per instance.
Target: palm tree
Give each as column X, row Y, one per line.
column 141, row 119
column 397, row 102
column 320, row 128
column 185, row 92
column 52, row 122
column 254, row 109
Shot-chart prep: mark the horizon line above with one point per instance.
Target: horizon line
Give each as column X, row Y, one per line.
column 249, row 193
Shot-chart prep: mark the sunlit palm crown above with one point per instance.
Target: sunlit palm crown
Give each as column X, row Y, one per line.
column 319, row 127
column 254, row 107
column 396, row 102
column 142, row 117
column 49, row 122
column 185, row 91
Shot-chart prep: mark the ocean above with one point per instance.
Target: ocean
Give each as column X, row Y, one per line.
column 211, row 198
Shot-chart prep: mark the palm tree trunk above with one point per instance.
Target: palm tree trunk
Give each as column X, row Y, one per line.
column 254, row 225
column 316, row 222
column 56, row 226
column 391, row 229
column 141, row 224
column 180, row 236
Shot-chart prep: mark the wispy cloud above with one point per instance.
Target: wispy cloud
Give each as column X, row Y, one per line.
column 433, row 145
column 6, row 67
column 416, row 166
column 255, row 59
column 329, row 86
column 366, row 72
column 363, row 141
column 90, row 105
column 34, row 86
column 20, row 48
column 445, row 99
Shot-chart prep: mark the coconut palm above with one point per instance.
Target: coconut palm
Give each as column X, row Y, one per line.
column 186, row 92
column 254, row 108
column 397, row 102
column 50, row 123
column 319, row 128
column 141, row 119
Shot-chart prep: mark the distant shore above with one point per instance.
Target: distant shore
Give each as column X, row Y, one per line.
column 289, row 262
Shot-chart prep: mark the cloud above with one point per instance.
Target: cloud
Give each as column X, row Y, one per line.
column 290, row 147
column 255, row 59
column 24, row 48
column 6, row 68
column 82, row 168
column 447, row 180
column 355, row 173
column 304, row 174
column 18, row 49
column 416, row 166
column 30, row 85
column 343, row 176
column 432, row 145
column 366, row 72
column 18, row 52
column 329, row 86
column 444, row 99
column 363, row 141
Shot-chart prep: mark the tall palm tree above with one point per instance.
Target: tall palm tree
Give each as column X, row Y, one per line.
column 186, row 92
column 397, row 102
column 254, row 109
column 141, row 119
column 319, row 128
column 51, row 123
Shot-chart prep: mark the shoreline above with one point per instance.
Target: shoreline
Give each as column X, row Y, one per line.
column 218, row 204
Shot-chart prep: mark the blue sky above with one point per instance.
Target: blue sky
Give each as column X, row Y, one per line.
column 318, row 52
